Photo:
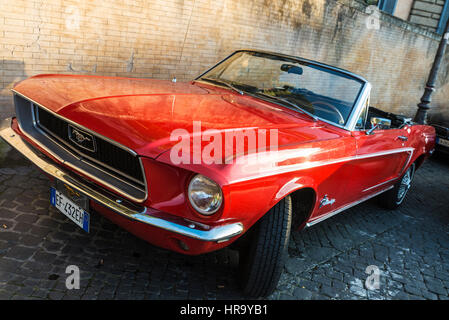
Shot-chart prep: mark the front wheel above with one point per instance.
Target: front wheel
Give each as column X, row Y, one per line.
column 393, row 198
column 263, row 257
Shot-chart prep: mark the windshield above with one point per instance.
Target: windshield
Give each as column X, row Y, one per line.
column 309, row 88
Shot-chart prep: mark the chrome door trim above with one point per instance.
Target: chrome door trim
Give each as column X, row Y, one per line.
column 407, row 162
column 380, row 184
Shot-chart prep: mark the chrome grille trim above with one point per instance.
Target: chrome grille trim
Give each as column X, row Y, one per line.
column 30, row 128
column 78, row 152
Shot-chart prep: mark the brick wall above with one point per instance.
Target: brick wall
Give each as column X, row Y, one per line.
column 164, row 38
column 426, row 13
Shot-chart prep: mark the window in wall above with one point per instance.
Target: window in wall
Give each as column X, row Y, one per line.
column 387, row 5
column 444, row 17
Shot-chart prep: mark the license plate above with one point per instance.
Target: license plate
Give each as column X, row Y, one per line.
column 70, row 209
column 443, row 142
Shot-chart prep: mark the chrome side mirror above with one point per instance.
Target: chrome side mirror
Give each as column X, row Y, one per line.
column 379, row 123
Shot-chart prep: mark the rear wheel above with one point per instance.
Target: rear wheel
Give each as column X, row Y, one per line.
column 262, row 257
column 393, row 198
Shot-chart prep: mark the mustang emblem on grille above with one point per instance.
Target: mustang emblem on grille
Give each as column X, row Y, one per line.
column 82, row 139
column 79, row 136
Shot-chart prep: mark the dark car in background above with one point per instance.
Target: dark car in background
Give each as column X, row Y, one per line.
column 442, row 142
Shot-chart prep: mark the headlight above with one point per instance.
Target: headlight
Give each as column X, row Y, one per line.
column 205, row 195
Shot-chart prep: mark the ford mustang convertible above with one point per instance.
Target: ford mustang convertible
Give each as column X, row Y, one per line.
column 257, row 145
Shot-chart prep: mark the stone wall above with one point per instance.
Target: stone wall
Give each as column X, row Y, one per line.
column 166, row 38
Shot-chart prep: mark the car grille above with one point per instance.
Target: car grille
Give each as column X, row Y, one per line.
column 108, row 156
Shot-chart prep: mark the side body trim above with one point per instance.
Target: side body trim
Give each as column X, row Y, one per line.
column 333, row 213
column 302, row 166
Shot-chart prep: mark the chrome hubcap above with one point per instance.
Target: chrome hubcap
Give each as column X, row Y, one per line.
column 405, row 184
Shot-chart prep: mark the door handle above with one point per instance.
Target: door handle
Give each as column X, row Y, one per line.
column 403, row 138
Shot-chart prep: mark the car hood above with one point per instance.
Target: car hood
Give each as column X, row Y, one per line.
column 144, row 114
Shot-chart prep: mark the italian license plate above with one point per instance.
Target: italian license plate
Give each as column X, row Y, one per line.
column 70, row 209
column 443, row 142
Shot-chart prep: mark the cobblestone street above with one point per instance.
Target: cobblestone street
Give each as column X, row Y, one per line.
column 410, row 246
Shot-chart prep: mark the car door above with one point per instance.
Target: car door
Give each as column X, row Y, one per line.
column 382, row 154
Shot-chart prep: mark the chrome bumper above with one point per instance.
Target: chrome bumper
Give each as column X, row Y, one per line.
column 110, row 201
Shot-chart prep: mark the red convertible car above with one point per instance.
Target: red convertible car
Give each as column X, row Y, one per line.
column 257, row 145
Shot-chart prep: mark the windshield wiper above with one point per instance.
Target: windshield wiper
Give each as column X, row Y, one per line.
column 294, row 105
column 221, row 82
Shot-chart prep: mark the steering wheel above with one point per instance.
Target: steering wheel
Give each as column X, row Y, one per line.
column 316, row 104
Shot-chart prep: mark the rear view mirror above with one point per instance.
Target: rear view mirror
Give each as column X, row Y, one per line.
column 291, row 68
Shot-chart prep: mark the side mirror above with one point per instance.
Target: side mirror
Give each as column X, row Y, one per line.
column 291, row 68
column 379, row 123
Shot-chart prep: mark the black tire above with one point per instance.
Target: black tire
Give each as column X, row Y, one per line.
column 393, row 198
column 262, row 257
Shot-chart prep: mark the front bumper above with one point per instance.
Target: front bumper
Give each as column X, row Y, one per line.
column 122, row 207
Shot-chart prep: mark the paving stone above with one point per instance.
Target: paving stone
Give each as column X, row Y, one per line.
column 27, row 218
column 437, row 287
column 412, row 290
column 430, row 295
column 55, row 295
column 5, row 295
column 20, row 252
column 302, row 294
